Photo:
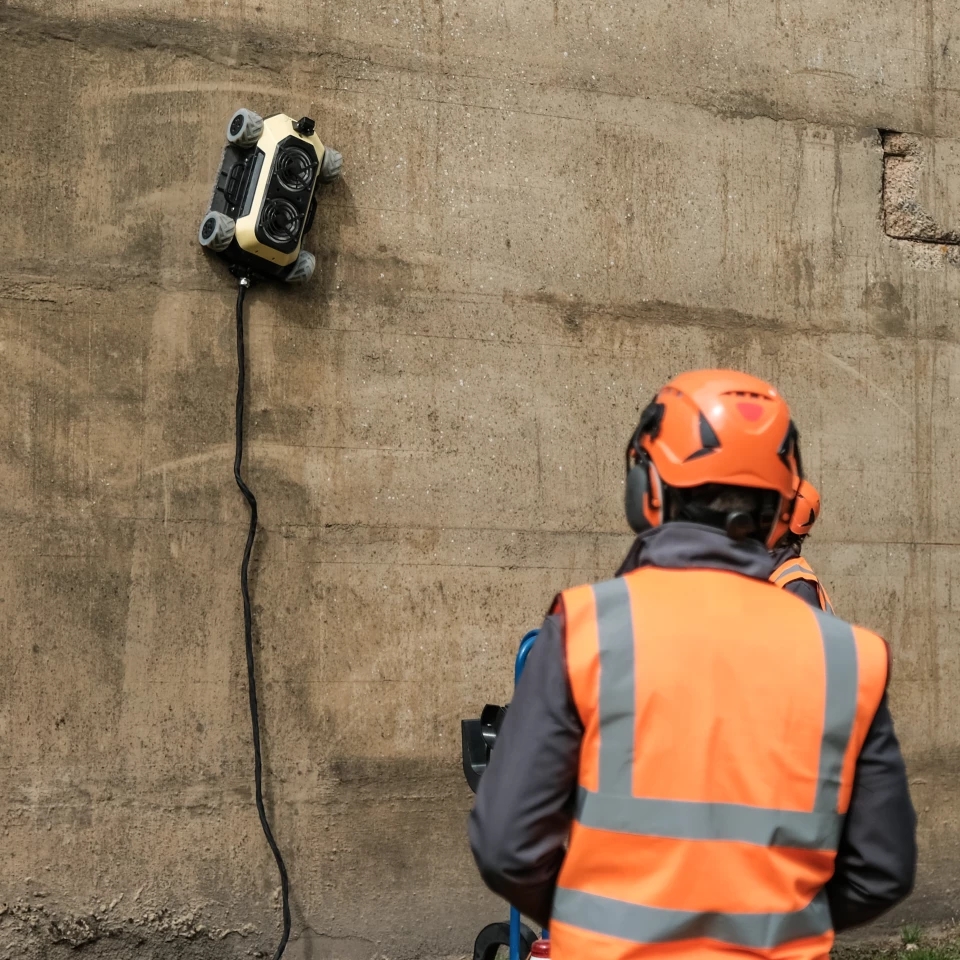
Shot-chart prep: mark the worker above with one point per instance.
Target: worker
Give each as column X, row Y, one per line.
column 695, row 764
column 792, row 572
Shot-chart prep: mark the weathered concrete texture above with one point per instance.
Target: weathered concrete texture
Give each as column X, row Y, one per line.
column 921, row 180
column 548, row 209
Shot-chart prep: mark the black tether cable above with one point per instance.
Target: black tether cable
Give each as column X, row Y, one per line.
column 248, row 625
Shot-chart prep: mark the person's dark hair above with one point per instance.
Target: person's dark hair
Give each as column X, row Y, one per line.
column 791, row 539
column 740, row 511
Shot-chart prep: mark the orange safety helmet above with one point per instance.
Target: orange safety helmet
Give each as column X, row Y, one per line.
column 713, row 426
column 806, row 509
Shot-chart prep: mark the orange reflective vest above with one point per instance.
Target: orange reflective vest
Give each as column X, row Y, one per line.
column 722, row 724
column 798, row 569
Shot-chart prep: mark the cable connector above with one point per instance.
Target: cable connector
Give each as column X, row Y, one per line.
column 243, row 275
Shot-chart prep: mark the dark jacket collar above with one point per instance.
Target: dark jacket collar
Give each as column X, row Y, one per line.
column 679, row 545
column 790, row 552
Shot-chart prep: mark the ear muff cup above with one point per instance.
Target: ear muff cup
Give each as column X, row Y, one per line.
column 806, row 509
column 634, row 497
column 643, row 497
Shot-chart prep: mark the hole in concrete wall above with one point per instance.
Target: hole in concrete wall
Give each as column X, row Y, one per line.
column 919, row 177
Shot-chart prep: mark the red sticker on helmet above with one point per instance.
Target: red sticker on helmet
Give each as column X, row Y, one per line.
column 750, row 411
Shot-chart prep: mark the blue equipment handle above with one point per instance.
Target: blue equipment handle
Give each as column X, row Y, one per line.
column 526, row 645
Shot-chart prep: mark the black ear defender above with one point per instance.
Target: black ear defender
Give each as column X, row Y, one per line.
column 642, row 495
column 638, row 484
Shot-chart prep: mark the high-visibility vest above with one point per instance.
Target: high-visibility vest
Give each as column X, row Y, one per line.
column 722, row 723
column 798, row 569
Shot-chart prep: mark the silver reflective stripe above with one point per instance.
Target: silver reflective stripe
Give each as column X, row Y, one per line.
column 840, row 659
column 686, row 820
column 639, row 924
column 796, row 568
column 810, row 577
column 617, row 701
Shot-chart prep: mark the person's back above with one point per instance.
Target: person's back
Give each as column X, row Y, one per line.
column 723, row 827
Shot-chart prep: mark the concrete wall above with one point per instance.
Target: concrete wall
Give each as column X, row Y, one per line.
column 549, row 207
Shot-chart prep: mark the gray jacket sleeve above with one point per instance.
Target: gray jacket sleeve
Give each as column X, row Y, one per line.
column 805, row 590
column 524, row 805
column 877, row 857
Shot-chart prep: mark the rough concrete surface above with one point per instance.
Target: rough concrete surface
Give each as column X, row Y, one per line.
column 921, row 188
column 548, row 208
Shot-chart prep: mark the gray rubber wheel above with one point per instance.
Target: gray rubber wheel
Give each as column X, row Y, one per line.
column 216, row 231
column 331, row 166
column 244, row 128
column 302, row 269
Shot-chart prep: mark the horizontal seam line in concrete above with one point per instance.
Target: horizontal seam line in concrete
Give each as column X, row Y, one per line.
column 397, row 529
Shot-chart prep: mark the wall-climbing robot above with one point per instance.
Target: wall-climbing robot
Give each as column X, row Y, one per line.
column 264, row 200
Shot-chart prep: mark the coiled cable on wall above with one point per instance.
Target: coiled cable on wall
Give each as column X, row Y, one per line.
column 248, row 624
